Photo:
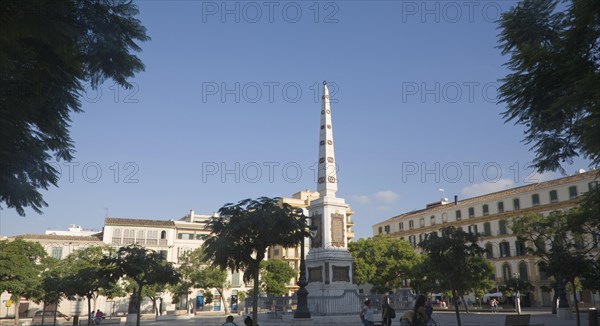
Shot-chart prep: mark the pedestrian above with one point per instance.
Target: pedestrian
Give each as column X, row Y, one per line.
column 494, row 305
column 229, row 321
column 420, row 317
column 248, row 320
column 387, row 312
column 366, row 314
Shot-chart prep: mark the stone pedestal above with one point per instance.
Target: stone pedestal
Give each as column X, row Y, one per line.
column 303, row 322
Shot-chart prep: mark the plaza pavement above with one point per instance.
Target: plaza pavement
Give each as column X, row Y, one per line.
column 443, row 318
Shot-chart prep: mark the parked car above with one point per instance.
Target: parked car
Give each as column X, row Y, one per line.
column 48, row 317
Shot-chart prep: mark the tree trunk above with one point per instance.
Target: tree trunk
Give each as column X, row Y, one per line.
column 576, row 303
column 43, row 312
column 90, row 317
column 139, row 305
column 55, row 314
column 455, row 301
column 462, row 297
column 17, row 302
column 555, row 301
column 255, row 297
column 223, row 301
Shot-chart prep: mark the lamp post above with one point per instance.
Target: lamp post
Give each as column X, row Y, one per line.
column 302, row 311
column 518, row 296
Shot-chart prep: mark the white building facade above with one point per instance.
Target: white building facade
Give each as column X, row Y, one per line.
column 489, row 216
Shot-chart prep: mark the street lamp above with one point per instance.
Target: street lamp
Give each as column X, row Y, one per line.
column 518, row 296
column 302, row 307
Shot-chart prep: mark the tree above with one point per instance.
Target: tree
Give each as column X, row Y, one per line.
column 274, row 275
column 565, row 242
column 53, row 285
column 145, row 267
column 86, row 277
column 383, row 261
column 242, row 233
column 453, row 261
column 196, row 272
column 49, row 50
column 152, row 292
column 554, row 87
column 20, row 270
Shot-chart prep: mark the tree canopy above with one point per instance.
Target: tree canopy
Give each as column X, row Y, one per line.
column 49, row 50
column 454, row 261
column 383, row 261
column 20, row 270
column 197, row 272
column 565, row 243
column 274, row 276
column 142, row 266
column 242, row 233
column 554, row 87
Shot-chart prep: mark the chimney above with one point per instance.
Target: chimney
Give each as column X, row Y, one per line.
column 191, row 216
column 455, row 199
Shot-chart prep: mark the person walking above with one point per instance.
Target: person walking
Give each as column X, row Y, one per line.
column 420, row 317
column 366, row 314
column 387, row 312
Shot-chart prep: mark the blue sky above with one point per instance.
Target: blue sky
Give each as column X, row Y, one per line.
column 228, row 109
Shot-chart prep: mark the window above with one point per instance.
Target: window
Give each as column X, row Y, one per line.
column 235, row 279
column 422, row 222
column 486, row 210
column 411, row 224
column 502, row 227
column 458, row 215
column 504, row 249
column 163, row 234
column 185, row 236
column 380, row 230
column 535, row 200
column 163, row 253
column 444, row 217
column 523, row 272
column 553, row 196
column 432, row 220
column 572, row 192
column 500, row 207
column 276, row 252
column 401, row 226
column 57, row 252
column 413, row 240
column 487, row 229
column 506, row 272
column 489, row 251
column 473, row 229
column 386, row 229
column 516, row 204
column 593, row 185
column 520, row 247
column 471, row 212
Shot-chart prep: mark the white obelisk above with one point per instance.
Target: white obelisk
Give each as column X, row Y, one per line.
column 329, row 264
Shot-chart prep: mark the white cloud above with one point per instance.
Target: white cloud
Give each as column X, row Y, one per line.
column 485, row 187
column 362, row 199
column 384, row 196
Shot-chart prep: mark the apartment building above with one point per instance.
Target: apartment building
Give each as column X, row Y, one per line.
column 489, row 216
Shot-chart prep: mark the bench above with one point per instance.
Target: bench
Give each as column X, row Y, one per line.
column 517, row 320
